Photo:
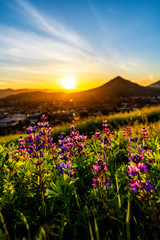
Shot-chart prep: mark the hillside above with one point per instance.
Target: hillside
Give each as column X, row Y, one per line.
column 155, row 85
column 117, row 87
column 8, row 92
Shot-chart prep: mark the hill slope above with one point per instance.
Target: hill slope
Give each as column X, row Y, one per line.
column 155, row 85
column 117, row 87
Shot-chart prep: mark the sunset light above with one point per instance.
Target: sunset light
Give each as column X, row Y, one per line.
column 68, row 83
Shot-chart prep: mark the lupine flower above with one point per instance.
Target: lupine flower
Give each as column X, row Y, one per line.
column 40, row 124
column 132, row 170
column 147, row 186
column 99, row 170
column 106, row 127
column 124, row 133
column 29, row 130
column 136, row 158
column 106, row 182
column 44, row 116
column 62, row 168
column 129, row 130
column 145, row 147
column 142, row 167
column 134, row 186
column 134, row 139
column 95, row 182
column 97, row 133
column 144, row 134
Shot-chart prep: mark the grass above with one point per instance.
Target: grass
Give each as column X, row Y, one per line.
column 47, row 190
column 88, row 125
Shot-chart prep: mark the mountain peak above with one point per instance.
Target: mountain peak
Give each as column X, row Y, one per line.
column 119, row 79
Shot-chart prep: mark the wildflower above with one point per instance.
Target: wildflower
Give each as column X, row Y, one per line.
column 144, row 134
column 95, row 182
column 129, row 130
column 106, row 128
column 106, row 182
column 134, row 186
column 62, row 168
column 132, row 170
column 44, row 116
column 97, row 133
column 147, row 186
column 134, row 139
column 29, row 130
column 136, row 158
column 142, row 167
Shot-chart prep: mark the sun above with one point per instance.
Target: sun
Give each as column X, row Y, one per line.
column 68, row 82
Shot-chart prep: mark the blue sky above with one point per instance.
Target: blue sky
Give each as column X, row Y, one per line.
column 93, row 41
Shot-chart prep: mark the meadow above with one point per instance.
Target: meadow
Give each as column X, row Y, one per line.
column 103, row 184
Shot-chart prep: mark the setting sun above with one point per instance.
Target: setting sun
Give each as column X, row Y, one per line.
column 68, row 83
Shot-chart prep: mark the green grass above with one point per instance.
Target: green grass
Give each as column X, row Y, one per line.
column 90, row 124
column 37, row 202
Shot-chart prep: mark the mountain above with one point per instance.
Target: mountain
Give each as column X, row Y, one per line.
column 7, row 92
column 117, row 87
column 155, row 85
column 36, row 96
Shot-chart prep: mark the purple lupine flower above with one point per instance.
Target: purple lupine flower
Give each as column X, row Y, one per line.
column 49, row 131
column 44, row 116
column 151, row 160
column 29, row 130
column 30, row 149
column 147, row 186
column 46, row 124
column 72, row 128
column 106, row 140
column 129, row 130
column 106, row 127
column 136, row 158
column 142, row 167
column 145, row 147
column 97, row 133
column 133, row 170
column 144, row 134
column 95, row 182
column 134, row 186
column 68, row 165
column 37, row 138
column 39, row 124
column 106, row 182
column 29, row 139
column 134, row 139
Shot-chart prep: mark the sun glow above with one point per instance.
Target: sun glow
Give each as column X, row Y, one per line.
column 68, row 83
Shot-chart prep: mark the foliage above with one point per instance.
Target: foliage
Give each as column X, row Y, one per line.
column 105, row 186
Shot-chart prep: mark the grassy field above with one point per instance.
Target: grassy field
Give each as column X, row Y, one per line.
column 105, row 186
column 89, row 125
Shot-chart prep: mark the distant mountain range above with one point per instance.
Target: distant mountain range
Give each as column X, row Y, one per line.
column 7, row 92
column 155, row 85
column 117, row 87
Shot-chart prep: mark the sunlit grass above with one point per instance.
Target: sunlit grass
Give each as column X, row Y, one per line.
column 90, row 124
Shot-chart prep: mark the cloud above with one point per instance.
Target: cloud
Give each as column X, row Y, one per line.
column 45, row 48
column 52, row 27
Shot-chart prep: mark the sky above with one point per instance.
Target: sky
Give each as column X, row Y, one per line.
column 92, row 41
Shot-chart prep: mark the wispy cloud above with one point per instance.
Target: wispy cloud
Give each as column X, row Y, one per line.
column 58, row 51
column 48, row 49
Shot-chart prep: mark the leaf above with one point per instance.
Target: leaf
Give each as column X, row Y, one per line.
column 90, row 230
